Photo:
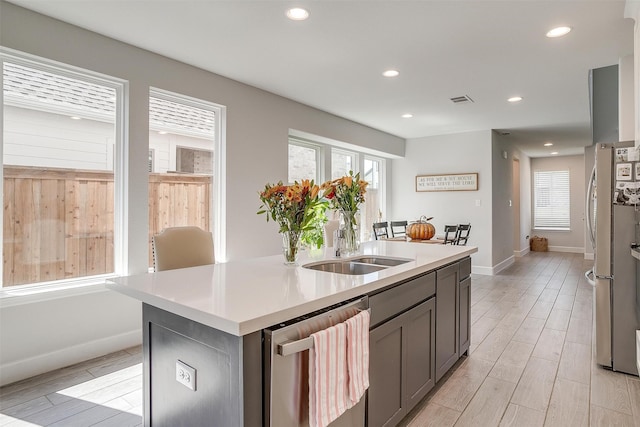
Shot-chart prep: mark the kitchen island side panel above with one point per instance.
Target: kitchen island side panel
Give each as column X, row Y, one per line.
column 227, row 380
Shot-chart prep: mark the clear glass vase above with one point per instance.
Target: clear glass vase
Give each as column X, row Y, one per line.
column 350, row 231
column 291, row 246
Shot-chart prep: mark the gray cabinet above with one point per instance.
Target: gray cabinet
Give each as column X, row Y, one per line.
column 603, row 93
column 465, row 315
column 447, row 319
column 401, row 364
column 415, row 339
column 401, row 349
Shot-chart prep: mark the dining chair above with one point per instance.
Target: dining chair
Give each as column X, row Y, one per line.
column 380, row 229
column 463, row 234
column 450, row 234
column 398, row 228
column 182, row 247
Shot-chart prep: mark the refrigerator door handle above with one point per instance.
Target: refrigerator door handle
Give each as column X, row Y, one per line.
column 589, row 210
column 590, row 277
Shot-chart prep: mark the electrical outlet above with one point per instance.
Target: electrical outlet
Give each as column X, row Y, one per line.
column 186, row 375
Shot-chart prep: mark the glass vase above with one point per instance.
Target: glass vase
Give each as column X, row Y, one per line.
column 350, row 231
column 291, row 246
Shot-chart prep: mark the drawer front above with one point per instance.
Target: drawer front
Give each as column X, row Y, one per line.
column 394, row 301
column 465, row 268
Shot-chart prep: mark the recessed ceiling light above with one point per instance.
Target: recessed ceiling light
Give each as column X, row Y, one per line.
column 297, row 14
column 558, row 32
column 75, row 118
column 407, row 116
column 548, row 144
column 553, row 153
column 515, row 99
column 391, row 73
column 162, row 132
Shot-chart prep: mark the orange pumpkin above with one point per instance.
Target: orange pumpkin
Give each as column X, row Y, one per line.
column 422, row 229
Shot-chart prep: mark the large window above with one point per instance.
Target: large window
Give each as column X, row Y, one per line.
column 304, row 161
column 551, row 200
column 62, row 146
column 342, row 162
column 372, row 210
column 184, row 135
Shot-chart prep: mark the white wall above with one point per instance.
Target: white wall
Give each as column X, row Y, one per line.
column 502, row 200
column 632, row 10
column 257, row 129
column 445, row 154
column 525, row 201
column 573, row 240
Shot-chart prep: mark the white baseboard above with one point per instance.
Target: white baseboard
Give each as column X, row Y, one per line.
column 19, row 370
column 571, row 249
column 521, row 252
column 589, row 256
column 492, row 271
column 504, row 264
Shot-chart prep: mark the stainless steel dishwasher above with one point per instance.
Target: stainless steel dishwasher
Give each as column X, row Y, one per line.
column 286, row 367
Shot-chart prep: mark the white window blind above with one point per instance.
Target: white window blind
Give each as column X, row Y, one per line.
column 551, row 207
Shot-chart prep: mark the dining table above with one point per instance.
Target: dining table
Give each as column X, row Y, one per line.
column 408, row 239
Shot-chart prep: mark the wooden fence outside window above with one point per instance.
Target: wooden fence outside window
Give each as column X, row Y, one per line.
column 58, row 223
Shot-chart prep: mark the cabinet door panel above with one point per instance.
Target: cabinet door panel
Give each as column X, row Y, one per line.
column 384, row 401
column 465, row 317
column 447, row 327
column 420, row 343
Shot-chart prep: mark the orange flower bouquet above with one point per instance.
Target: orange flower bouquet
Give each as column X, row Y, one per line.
column 296, row 208
column 345, row 195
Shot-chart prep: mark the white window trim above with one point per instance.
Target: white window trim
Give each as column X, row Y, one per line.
column 42, row 291
column 533, row 213
column 320, row 157
column 356, row 159
column 219, row 195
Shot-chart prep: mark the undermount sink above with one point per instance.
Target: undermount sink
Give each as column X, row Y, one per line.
column 356, row 266
column 378, row 260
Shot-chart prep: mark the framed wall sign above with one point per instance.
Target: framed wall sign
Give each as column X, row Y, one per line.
column 449, row 182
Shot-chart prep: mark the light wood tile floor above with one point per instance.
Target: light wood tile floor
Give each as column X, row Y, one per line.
column 530, row 364
column 531, row 358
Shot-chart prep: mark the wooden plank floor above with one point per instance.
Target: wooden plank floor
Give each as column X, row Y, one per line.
column 531, row 359
column 530, row 364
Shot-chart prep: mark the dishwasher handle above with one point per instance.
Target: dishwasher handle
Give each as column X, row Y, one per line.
column 291, row 347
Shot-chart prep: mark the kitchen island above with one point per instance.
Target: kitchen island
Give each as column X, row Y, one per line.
column 203, row 326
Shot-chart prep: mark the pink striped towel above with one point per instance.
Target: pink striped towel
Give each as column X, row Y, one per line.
column 328, row 377
column 358, row 355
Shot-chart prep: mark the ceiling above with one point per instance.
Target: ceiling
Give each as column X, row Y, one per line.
column 488, row 50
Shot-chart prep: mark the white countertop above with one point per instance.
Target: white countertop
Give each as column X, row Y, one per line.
column 242, row 297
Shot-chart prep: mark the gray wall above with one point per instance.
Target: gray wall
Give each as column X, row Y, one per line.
column 573, row 240
column 446, row 154
column 257, row 129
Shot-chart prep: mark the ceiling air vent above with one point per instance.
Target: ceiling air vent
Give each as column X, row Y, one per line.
column 461, row 99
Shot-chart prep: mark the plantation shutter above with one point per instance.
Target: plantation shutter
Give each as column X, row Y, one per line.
column 551, row 200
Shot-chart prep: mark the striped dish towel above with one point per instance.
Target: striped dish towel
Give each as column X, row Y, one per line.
column 328, row 377
column 358, row 354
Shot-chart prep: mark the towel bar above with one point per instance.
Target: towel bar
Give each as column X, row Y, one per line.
column 292, row 347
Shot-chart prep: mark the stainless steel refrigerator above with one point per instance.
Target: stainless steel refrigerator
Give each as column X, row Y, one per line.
column 613, row 204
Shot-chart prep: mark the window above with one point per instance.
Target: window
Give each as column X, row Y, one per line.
column 551, row 200
column 372, row 210
column 184, row 135
column 304, row 161
column 62, row 145
column 342, row 162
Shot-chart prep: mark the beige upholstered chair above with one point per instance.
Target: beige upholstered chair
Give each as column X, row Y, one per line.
column 181, row 247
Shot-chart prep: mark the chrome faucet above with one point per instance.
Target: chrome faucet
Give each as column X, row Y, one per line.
column 338, row 242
